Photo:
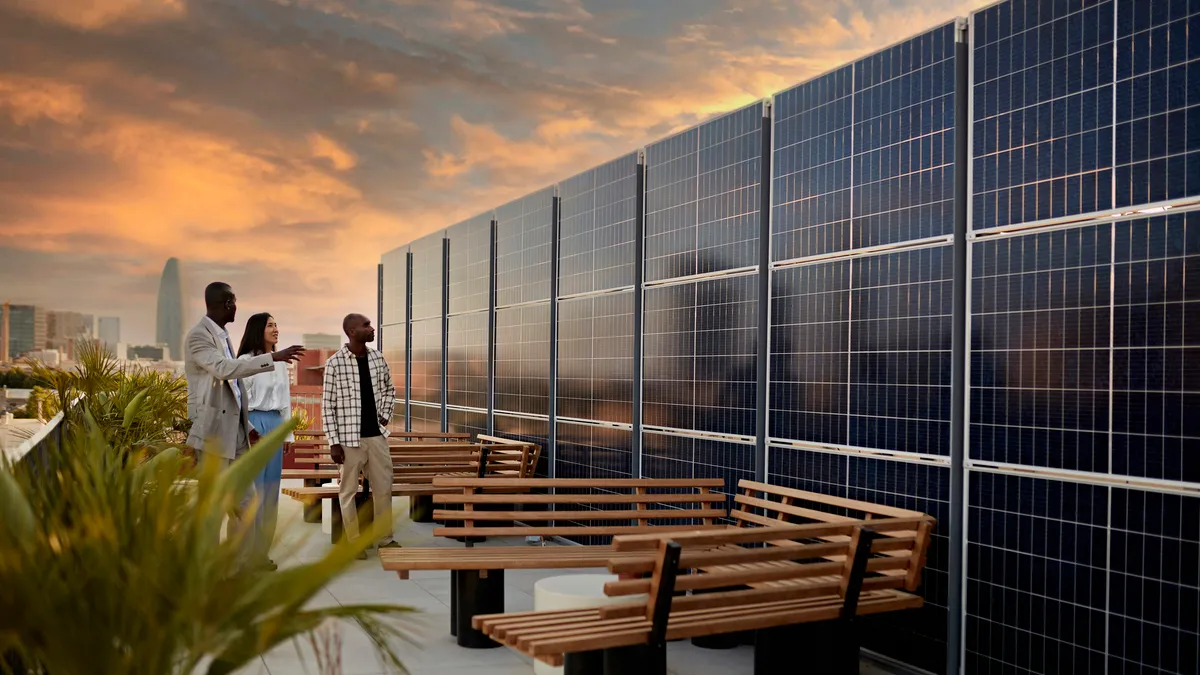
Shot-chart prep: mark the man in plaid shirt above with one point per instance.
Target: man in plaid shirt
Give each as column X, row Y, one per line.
column 356, row 406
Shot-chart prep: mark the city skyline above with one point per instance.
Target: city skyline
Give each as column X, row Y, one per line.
column 287, row 187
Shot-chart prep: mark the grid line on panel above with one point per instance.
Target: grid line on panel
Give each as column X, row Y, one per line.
column 425, row 417
column 703, row 197
column 528, row 430
column 426, row 383
column 700, row 355
column 470, row 264
column 595, row 357
column 395, row 291
column 466, row 360
column 472, row 421
column 673, row 456
column 524, row 248
column 1043, row 118
column 523, row 359
column 597, row 228
column 427, row 282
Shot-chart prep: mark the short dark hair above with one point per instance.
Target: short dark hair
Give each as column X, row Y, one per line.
column 349, row 318
column 254, row 341
column 216, row 294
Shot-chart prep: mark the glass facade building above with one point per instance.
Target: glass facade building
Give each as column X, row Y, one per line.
column 959, row 275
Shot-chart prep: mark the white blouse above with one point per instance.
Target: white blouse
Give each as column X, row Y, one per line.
column 270, row 391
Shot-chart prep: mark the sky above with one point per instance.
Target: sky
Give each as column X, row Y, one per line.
column 282, row 146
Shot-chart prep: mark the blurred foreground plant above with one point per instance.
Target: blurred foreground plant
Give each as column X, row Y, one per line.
column 111, row 564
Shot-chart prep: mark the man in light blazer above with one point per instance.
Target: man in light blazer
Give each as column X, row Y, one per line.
column 216, row 397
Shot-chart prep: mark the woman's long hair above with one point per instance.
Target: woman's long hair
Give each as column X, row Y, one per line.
column 254, row 341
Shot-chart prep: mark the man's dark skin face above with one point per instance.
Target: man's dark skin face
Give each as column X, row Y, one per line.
column 359, row 330
column 224, row 313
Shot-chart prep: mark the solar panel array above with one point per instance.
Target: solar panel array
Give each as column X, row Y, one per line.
column 1082, row 451
column 470, row 264
column 393, row 338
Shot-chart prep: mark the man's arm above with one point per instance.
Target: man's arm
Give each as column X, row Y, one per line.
column 212, row 358
column 329, row 405
column 387, row 403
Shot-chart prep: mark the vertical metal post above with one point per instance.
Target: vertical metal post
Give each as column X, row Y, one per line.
column 445, row 328
column 764, row 302
column 639, row 253
column 552, row 391
column 379, row 320
column 959, row 355
column 408, row 295
column 491, row 344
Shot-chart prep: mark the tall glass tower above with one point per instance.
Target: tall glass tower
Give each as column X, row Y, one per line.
column 169, row 323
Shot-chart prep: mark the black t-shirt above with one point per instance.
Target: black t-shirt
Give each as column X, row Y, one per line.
column 370, row 415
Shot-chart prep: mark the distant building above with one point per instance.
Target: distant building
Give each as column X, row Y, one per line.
column 310, row 369
column 50, row 357
column 148, row 353
column 322, row 341
column 5, row 354
column 108, row 330
column 67, row 330
column 169, row 322
column 13, row 399
column 26, row 329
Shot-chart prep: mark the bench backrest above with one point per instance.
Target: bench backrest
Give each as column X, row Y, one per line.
column 762, row 505
column 744, row 566
column 576, row 508
column 421, row 463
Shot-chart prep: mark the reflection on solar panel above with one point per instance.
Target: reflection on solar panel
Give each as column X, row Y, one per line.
column 470, row 264
column 523, row 359
column 472, row 422
column 700, row 358
column 672, row 456
column 467, row 360
column 524, row 230
column 595, row 358
column 587, row 451
column 1043, row 117
column 917, row 638
column 393, row 339
column 1158, row 121
column 597, row 228
column 703, row 197
column 527, row 430
column 427, row 361
column 426, row 417
column 427, row 277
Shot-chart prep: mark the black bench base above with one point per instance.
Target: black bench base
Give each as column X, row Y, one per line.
column 472, row 594
column 835, row 648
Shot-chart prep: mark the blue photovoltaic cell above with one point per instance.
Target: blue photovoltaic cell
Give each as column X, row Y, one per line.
column 393, row 329
column 597, row 228
column 700, row 355
column 903, row 142
column 427, row 361
column 523, row 359
column 916, row 638
column 1036, row 576
column 586, row 451
column 1158, row 101
column 529, row 431
column 427, row 286
column 703, row 199
column 861, row 352
column 595, row 357
column 1154, row 584
column 810, row 199
column 1040, row 314
column 426, row 417
column 467, row 360
column 524, row 237
column 470, row 264
column 1043, row 111
column 670, row 456
column 472, row 422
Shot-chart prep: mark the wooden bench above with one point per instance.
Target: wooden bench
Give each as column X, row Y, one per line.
column 767, row 579
column 414, row 468
column 575, row 509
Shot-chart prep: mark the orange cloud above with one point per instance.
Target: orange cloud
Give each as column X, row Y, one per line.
column 94, row 14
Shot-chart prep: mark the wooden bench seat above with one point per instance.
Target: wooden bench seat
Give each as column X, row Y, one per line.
column 707, row 583
column 595, row 509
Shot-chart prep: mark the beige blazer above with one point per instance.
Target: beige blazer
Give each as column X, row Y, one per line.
column 219, row 424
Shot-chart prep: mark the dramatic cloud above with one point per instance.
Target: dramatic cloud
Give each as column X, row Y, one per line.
column 283, row 145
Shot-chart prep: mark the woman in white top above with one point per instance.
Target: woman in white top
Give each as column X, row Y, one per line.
column 270, row 402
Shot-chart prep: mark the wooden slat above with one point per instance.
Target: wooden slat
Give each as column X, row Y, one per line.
column 458, row 498
column 787, row 510
column 582, row 483
column 693, row 558
column 866, row 507
column 591, row 514
column 584, row 531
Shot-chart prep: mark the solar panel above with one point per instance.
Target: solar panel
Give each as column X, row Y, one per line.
column 523, row 359
column 427, row 361
column 470, row 264
column 524, row 233
column 675, row 456
column 860, row 351
column 393, row 339
column 427, row 287
column 426, row 417
column 915, row 638
column 703, row 197
column 595, row 357
column 526, row 430
column 587, row 451
column 1158, row 94
column 1043, row 111
column 467, row 360
column 700, row 355
column 597, row 228
column 472, row 422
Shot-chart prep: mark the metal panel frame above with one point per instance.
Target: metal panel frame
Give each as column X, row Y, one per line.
column 639, row 301
column 408, row 268
column 552, row 385
column 445, row 328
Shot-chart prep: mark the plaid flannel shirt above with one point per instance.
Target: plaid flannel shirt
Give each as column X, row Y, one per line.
column 341, row 398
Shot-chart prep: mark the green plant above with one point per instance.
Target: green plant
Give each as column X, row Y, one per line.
column 115, row 566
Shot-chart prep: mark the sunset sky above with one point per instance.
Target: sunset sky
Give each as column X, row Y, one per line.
column 283, row 145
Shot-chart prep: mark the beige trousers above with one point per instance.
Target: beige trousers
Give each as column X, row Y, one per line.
column 373, row 459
